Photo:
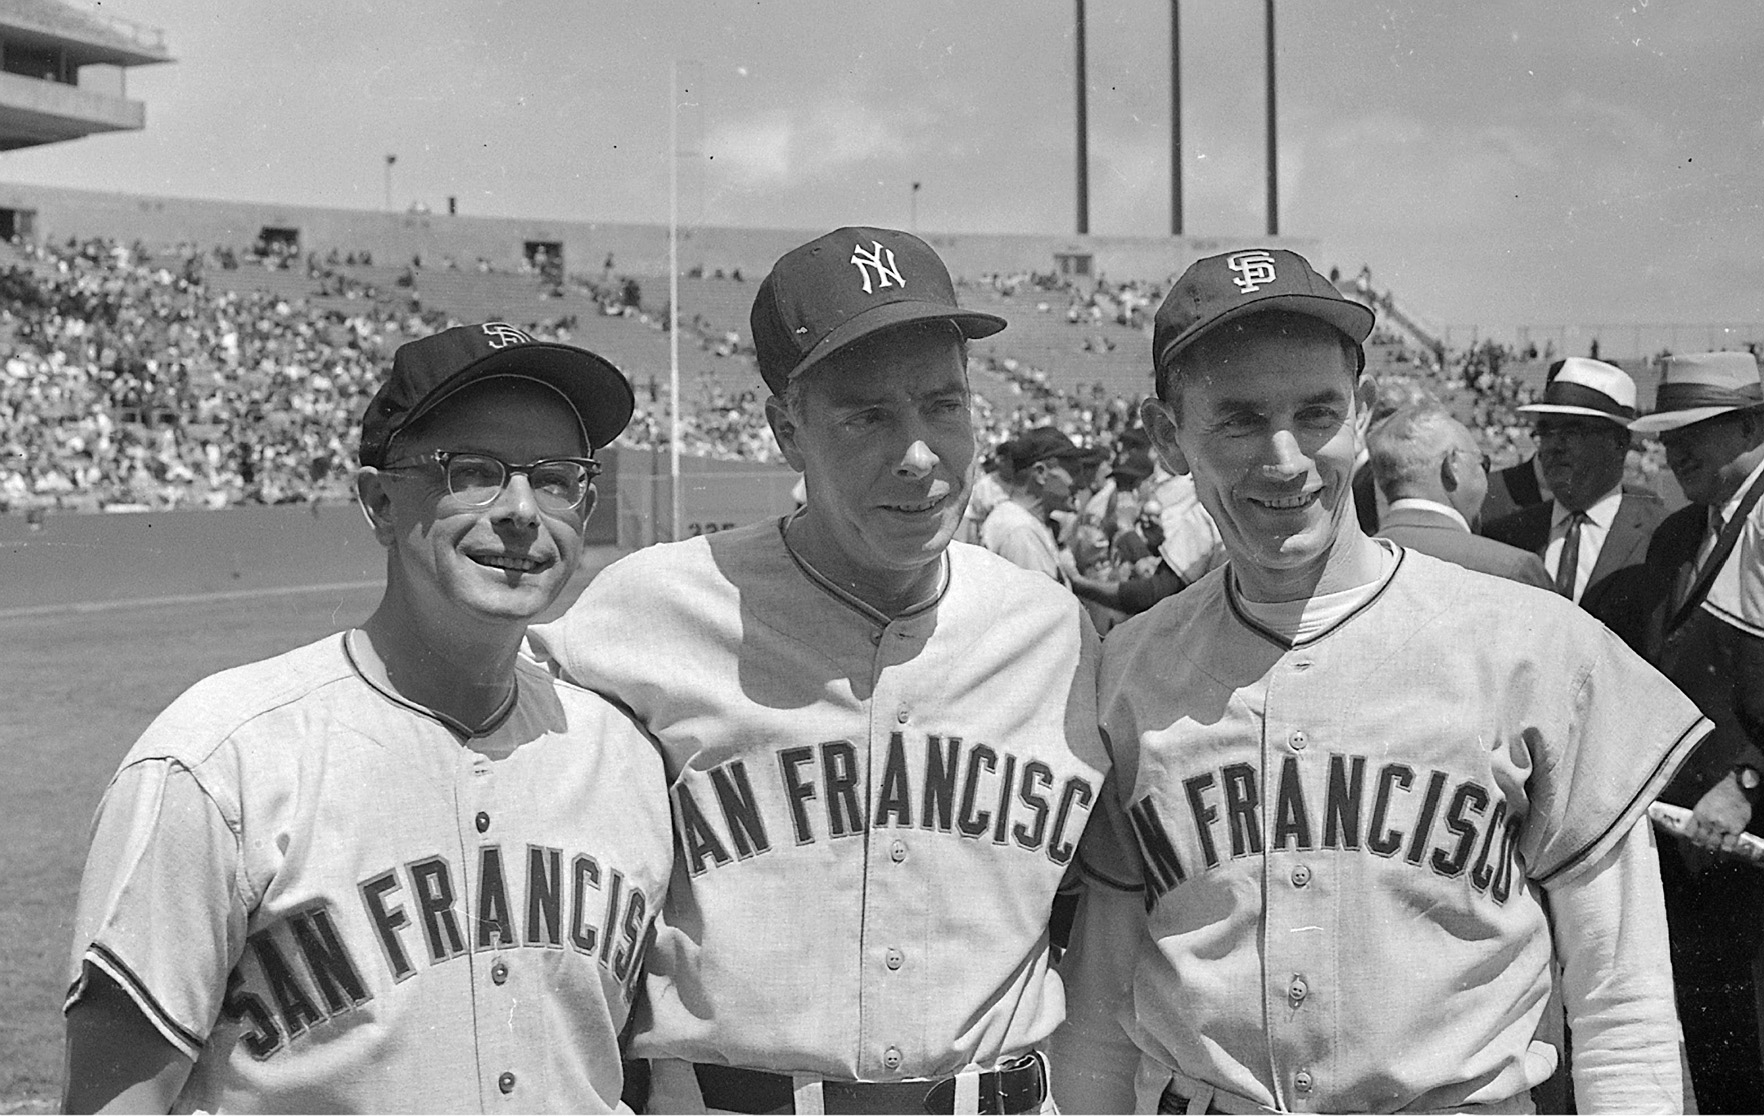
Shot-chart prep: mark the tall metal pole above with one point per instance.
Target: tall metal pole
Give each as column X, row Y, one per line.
column 674, row 294
column 1273, row 168
column 1083, row 133
column 1175, row 117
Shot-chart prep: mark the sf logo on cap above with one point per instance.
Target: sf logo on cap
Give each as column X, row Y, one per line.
column 873, row 259
column 502, row 335
column 1255, row 270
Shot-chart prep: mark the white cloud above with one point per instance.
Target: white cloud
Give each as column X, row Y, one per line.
column 780, row 147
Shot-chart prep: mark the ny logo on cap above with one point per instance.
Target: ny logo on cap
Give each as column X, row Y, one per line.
column 1256, row 270
column 502, row 335
column 873, row 259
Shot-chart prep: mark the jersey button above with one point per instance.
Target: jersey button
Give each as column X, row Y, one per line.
column 506, row 1082
column 1298, row 739
column 483, row 822
column 1302, row 1081
column 895, row 959
column 876, row 638
column 1301, row 875
column 1297, row 991
column 499, row 973
column 897, row 851
column 891, row 1058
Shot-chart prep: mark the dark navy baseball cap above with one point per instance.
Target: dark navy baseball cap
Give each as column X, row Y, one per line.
column 429, row 369
column 1219, row 289
column 845, row 286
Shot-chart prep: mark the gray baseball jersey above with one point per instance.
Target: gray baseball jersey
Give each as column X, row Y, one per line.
column 1342, row 841
column 873, row 814
column 331, row 899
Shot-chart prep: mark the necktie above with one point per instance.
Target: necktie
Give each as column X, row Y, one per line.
column 1568, row 566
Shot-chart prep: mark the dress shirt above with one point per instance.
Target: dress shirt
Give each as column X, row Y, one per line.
column 1433, row 506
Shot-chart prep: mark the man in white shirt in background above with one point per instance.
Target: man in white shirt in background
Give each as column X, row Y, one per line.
column 1045, row 466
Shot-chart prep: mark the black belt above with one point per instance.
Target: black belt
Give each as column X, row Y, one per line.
column 1172, row 1103
column 1019, row 1087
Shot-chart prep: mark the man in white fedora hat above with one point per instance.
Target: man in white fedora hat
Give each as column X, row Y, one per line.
column 1592, row 527
column 1702, row 623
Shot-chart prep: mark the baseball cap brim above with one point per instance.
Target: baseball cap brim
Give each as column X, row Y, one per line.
column 1671, row 420
column 1351, row 318
column 598, row 391
column 1567, row 409
column 888, row 315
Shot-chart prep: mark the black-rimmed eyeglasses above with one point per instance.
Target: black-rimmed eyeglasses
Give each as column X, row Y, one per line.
column 477, row 479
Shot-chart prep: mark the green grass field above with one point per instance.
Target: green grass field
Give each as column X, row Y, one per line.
column 76, row 687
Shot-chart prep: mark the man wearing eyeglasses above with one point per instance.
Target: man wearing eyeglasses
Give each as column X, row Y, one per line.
column 1593, row 529
column 377, row 873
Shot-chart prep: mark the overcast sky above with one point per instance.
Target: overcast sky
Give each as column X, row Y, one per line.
column 1496, row 162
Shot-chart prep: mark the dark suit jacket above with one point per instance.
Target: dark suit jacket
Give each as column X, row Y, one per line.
column 1718, row 666
column 1441, row 536
column 1608, row 590
column 1511, row 489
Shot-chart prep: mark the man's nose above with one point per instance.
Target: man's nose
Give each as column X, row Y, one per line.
column 918, row 460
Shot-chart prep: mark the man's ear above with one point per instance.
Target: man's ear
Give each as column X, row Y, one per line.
column 784, row 429
column 1160, row 427
column 375, row 500
column 1448, row 470
column 1365, row 399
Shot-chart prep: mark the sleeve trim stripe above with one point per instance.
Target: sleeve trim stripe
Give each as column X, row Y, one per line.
column 1736, row 621
column 1107, row 880
column 1650, row 788
column 187, row 1042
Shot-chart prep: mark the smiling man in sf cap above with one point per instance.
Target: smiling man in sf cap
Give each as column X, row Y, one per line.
column 1347, row 774
column 402, row 868
column 882, row 744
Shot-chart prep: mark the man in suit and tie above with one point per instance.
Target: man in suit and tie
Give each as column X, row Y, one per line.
column 1592, row 527
column 1701, row 619
column 1521, row 485
column 1430, row 469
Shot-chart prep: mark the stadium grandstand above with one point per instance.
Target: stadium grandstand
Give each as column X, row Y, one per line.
column 64, row 74
column 171, row 353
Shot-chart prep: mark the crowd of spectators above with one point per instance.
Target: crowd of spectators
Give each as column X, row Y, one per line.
column 129, row 382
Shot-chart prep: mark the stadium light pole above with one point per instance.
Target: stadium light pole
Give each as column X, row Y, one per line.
column 1273, row 170
column 1083, row 130
column 1175, row 117
column 914, row 211
column 674, row 295
column 390, row 159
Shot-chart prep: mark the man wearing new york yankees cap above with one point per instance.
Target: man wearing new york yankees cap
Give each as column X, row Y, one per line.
column 403, row 868
column 1594, row 528
column 882, row 745
column 1346, row 776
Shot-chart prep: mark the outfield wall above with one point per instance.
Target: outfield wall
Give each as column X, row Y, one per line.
column 636, row 249
column 71, row 558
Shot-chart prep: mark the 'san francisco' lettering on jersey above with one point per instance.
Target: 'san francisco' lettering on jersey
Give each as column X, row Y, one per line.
column 305, row 971
column 1429, row 819
column 936, row 783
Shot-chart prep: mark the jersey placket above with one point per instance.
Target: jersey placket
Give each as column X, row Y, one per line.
column 1299, row 933
column 498, row 1018
column 891, row 953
